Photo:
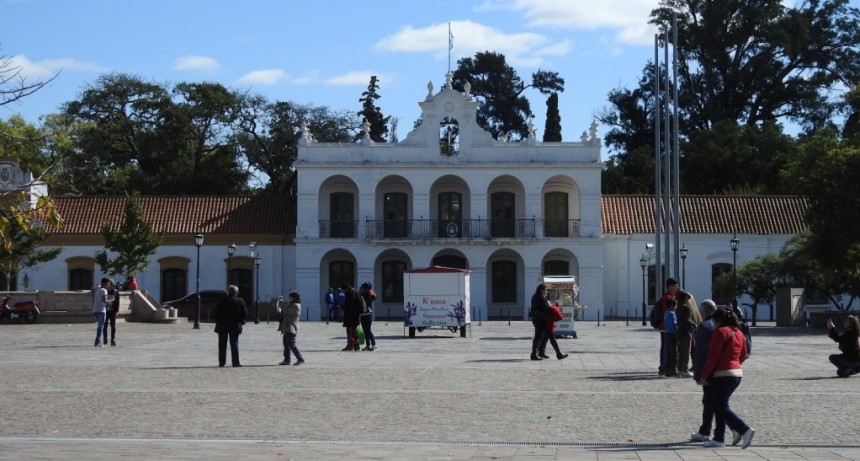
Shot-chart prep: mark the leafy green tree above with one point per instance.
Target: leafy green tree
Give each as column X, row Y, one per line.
column 503, row 109
column 552, row 128
column 754, row 61
column 268, row 134
column 132, row 243
column 372, row 113
column 759, row 279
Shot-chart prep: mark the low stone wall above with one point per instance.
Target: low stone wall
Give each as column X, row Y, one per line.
column 76, row 306
column 819, row 319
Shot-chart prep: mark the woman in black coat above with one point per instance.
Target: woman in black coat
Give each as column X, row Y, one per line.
column 230, row 314
column 353, row 307
column 538, row 310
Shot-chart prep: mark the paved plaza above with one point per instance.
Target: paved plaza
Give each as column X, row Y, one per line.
column 160, row 395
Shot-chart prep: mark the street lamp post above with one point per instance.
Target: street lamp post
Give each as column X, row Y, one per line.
column 231, row 250
column 644, row 264
column 198, row 242
column 735, row 243
column 683, row 252
column 257, row 260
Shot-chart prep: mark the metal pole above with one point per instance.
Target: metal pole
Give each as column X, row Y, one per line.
column 198, row 241
column 257, row 293
column 667, row 164
column 676, row 147
column 658, row 213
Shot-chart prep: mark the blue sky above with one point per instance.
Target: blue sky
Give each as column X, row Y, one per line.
column 324, row 52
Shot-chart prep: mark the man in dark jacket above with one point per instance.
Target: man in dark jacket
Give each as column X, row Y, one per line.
column 230, row 314
column 353, row 307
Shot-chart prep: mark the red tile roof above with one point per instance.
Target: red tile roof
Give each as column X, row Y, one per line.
column 707, row 214
column 182, row 214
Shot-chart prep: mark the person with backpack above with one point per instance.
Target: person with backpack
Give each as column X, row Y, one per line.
column 366, row 292
column 537, row 313
column 353, row 307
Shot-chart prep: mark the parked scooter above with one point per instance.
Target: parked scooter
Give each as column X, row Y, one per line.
column 27, row 311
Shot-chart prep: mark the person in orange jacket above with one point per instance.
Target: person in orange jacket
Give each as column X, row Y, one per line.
column 553, row 316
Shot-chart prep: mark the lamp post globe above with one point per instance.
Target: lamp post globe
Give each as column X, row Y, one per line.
column 198, row 242
column 683, row 252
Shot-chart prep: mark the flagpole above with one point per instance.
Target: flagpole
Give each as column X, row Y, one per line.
column 450, row 45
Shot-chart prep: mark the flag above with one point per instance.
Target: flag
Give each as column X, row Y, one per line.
column 450, row 38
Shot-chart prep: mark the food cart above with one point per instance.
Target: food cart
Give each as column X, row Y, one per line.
column 563, row 291
column 436, row 297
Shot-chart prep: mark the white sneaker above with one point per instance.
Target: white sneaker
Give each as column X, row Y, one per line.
column 685, row 374
column 748, row 435
column 736, row 437
column 696, row 437
column 713, row 444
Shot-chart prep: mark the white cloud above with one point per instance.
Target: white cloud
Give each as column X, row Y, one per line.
column 469, row 38
column 49, row 67
column 266, row 77
column 628, row 17
column 356, row 78
column 192, row 63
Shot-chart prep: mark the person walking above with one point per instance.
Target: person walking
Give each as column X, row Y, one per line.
column 701, row 340
column 110, row 314
column 329, row 303
column 366, row 292
column 230, row 314
column 353, row 306
column 537, row 312
column 100, row 304
column 848, row 362
column 727, row 350
column 553, row 316
column 289, row 326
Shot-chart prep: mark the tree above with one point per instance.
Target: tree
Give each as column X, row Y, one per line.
column 496, row 86
column 753, row 61
column 268, row 133
column 372, row 113
column 552, row 129
column 21, row 215
column 132, row 243
column 759, row 279
column 129, row 135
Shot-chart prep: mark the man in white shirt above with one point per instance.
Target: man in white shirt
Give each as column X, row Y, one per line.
column 100, row 302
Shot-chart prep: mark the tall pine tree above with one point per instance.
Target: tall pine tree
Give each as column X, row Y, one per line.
column 372, row 113
column 552, row 129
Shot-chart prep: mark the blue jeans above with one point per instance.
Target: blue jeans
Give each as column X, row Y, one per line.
column 718, row 396
column 100, row 326
column 662, row 368
column 707, row 411
column 233, row 337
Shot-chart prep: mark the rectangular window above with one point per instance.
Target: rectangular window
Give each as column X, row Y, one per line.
column 720, row 294
column 502, row 205
column 173, row 284
column 341, row 205
column 555, row 215
column 395, row 212
column 80, row 279
column 504, row 282
column 340, row 273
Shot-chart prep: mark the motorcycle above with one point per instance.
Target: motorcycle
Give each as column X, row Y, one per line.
column 25, row 310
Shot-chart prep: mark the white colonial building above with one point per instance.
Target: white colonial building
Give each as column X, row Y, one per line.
column 508, row 211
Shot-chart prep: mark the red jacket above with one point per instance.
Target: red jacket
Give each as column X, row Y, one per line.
column 553, row 315
column 726, row 352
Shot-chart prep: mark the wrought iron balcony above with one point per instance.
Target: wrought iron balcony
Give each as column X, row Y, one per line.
column 338, row 229
column 561, row 228
column 465, row 229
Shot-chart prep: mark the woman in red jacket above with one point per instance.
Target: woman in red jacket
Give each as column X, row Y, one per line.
column 722, row 375
column 553, row 316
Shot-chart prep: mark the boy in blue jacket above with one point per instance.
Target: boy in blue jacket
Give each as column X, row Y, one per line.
column 670, row 325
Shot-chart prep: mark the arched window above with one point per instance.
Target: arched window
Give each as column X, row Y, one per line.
column 392, row 281
column 341, row 211
column 450, row 215
column 449, row 137
column 555, row 208
column 556, row 268
column 504, row 281
column 340, row 273
column 395, row 212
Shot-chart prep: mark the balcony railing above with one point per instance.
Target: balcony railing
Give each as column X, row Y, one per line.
column 423, row 229
column 338, row 229
column 561, row 228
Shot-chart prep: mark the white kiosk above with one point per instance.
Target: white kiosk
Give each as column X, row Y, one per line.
column 563, row 291
column 436, row 297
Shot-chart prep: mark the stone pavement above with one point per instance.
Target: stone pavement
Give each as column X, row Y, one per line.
column 160, row 395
